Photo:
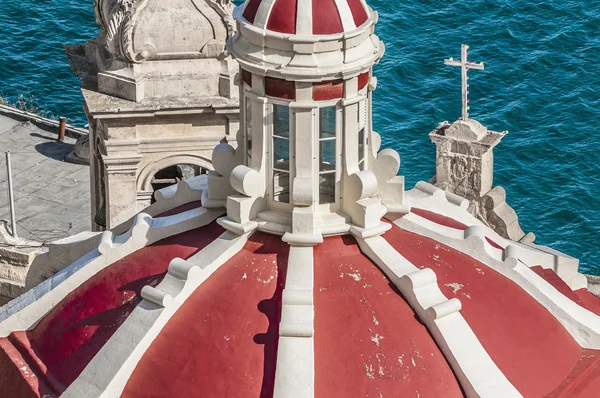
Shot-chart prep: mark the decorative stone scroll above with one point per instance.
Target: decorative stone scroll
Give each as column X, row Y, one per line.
column 184, row 28
column 386, row 165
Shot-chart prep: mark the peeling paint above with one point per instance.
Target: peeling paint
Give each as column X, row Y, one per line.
column 369, row 371
column 376, row 339
column 455, row 286
column 265, row 281
column 356, row 276
column 375, row 321
column 401, row 361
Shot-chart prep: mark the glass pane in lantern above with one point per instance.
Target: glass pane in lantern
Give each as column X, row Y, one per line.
column 281, row 120
column 326, row 188
column 281, row 187
column 281, row 153
column 361, row 145
column 327, row 122
column 249, row 128
column 327, row 156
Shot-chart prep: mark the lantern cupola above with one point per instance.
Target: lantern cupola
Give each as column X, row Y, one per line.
column 306, row 164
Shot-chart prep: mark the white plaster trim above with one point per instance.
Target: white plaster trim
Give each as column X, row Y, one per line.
column 108, row 372
column 24, row 312
column 428, row 197
column 478, row 374
column 304, row 26
column 583, row 325
column 345, row 15
column 65, row 251
column 169, row 198
column 304, row 57
column 447, row 231
column 264, row 12
column 295, row 372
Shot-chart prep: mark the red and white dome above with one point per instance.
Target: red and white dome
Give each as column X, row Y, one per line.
column 100, row 329
column 316, row 17
column 306, row 40
column 217, row 290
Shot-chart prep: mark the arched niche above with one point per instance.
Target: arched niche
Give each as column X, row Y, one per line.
column 155, row 175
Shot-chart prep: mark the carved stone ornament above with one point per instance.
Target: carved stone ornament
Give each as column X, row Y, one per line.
column 145, row 30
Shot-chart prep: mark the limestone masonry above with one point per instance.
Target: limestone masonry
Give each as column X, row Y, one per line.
column 160, row 92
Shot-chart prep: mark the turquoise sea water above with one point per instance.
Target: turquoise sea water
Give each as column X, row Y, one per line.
column 541, row 82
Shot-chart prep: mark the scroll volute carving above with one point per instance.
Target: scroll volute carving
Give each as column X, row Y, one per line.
column 145, row 30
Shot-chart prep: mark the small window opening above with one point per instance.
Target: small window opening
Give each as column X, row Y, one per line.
column 362, row 126
column 173, row 174
column 281, row 154
column 327, row 154
column 248, row 129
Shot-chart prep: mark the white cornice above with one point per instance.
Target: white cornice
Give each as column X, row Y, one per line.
column 307, row 57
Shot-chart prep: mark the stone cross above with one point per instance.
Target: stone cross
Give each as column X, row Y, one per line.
column 465, row 66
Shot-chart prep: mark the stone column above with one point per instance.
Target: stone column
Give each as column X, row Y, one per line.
column 303, row 197
column 350, row 140
column 121, row 189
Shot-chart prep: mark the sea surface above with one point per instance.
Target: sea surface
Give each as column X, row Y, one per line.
column 541, row 83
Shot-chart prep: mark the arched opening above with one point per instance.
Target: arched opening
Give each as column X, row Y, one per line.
column 171, row 175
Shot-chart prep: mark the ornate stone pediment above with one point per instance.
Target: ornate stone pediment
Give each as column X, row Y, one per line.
column 145, row 30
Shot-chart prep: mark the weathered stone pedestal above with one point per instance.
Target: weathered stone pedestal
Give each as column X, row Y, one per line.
column 465, row 166
column 465, row 160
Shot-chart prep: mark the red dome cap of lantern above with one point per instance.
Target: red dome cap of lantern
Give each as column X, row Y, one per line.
column 319, row 17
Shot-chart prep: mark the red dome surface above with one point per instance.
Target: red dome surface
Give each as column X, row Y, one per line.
column 223, row 340
column 325, row 17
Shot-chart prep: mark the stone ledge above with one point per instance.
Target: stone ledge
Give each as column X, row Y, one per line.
column 99, row 103
column 9, row 290
column 19, row 257
column 46, row 124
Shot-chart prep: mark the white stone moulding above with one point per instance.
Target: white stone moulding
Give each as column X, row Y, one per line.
column 108, row 372
column 295, row 374
column 477, row 373
column 24, row 312
column 171, row 197
column 296, row 57
column 66, row 251
column 428, row 197
column 582, row 324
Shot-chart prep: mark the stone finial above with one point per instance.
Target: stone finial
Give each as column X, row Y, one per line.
column 467, row 130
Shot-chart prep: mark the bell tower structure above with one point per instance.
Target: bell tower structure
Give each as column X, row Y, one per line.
column 160, row 93
column 307, row 163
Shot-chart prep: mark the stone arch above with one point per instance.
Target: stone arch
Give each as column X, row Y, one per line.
column 144, row 180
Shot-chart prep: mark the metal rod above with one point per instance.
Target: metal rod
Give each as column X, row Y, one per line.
column 11, row 196
column 61, row 128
